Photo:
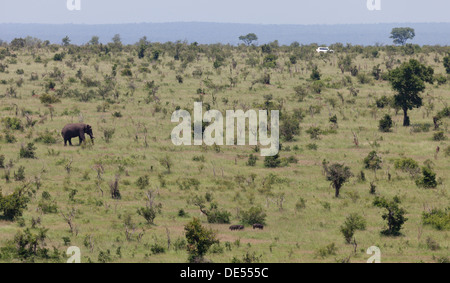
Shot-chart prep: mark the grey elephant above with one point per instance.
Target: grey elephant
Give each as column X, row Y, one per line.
column 76, row 130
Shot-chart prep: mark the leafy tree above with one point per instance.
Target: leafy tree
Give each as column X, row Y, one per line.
column 255, row 215
column 199, row 240
column 338, row 174
column 394, row 215
column 66, row 41
column 385, row 124
column 408, row 81
column 94, row 40
column 315, row 75
column 12, row 206
column 428, row 179
column 447, row 63
column 373, row 162
column 401, row 35
column 249, row 38
column 290, row 127
column 352, row 223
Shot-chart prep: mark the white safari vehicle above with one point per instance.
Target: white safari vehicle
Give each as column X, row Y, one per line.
column 324, row 50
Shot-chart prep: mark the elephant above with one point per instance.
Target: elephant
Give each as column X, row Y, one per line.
column 76, row 130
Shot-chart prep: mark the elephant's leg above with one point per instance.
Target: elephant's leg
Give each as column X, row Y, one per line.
column 70, row 142
column 65, row 142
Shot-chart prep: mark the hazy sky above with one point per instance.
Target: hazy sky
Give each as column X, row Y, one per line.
column 229, row 11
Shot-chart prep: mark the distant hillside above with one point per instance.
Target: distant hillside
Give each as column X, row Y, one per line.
column 205, row 33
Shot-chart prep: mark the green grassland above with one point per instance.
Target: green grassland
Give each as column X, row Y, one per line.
column 140, row 112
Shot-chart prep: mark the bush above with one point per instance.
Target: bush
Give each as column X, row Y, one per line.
column 255, row 215
column 447, row 63
column 439, row 136
column 46, row 137
column 394, row 215
column 219, row 216
column 272, row 161
column 49, row 99
column 157, row 249
column 408, row 165
column 29, row 247
column 251, row 160
column 149, row 213
column 437, row 218
column 199, row 240
column 428, row 179
column 28, row 151
column 385, row 124
column 59, row 56
column 314, row 133
column 352, row 223
column 12, row 123
column 12, row 206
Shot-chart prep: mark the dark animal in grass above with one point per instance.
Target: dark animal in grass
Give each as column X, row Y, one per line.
column 76, row 130
column 258, row 226
column 236, row 227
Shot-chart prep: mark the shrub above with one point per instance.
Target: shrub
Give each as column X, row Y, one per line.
column 46, row 137
column 20, row 176
column 49, row 99
column 255, row 215
column 428, row 179
column 29, row 247
column 338, row 174
column 439, row 136
column 437, row 218
column 314, row 133
column 315, row 74
column 447, row 63
column 218, row 216
column 12, row 123
column 12, row 206
column 272, row 161
column 300, row 92
column 251, row 160
column 394, row 215
column 408, row 165
column 326, row 251
column 157, row 249
column 290, row 127
column 143, row 182
column 199, row 240
column 28, row 151
column 149, row 213
column 385, row 124
column 352, row 223
column 108, row 134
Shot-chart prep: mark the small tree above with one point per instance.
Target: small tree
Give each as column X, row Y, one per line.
column 447, row 63
column 385, row 124
column 394, row 215
column 428, row 179
column 199, row 240
column 401, row 35
column 272, row 161
column 255, row 215
column 408, row 81
column 166, row 162
column 373, row 162
column 338, row 174
column 249, row 38
column 352, row 223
